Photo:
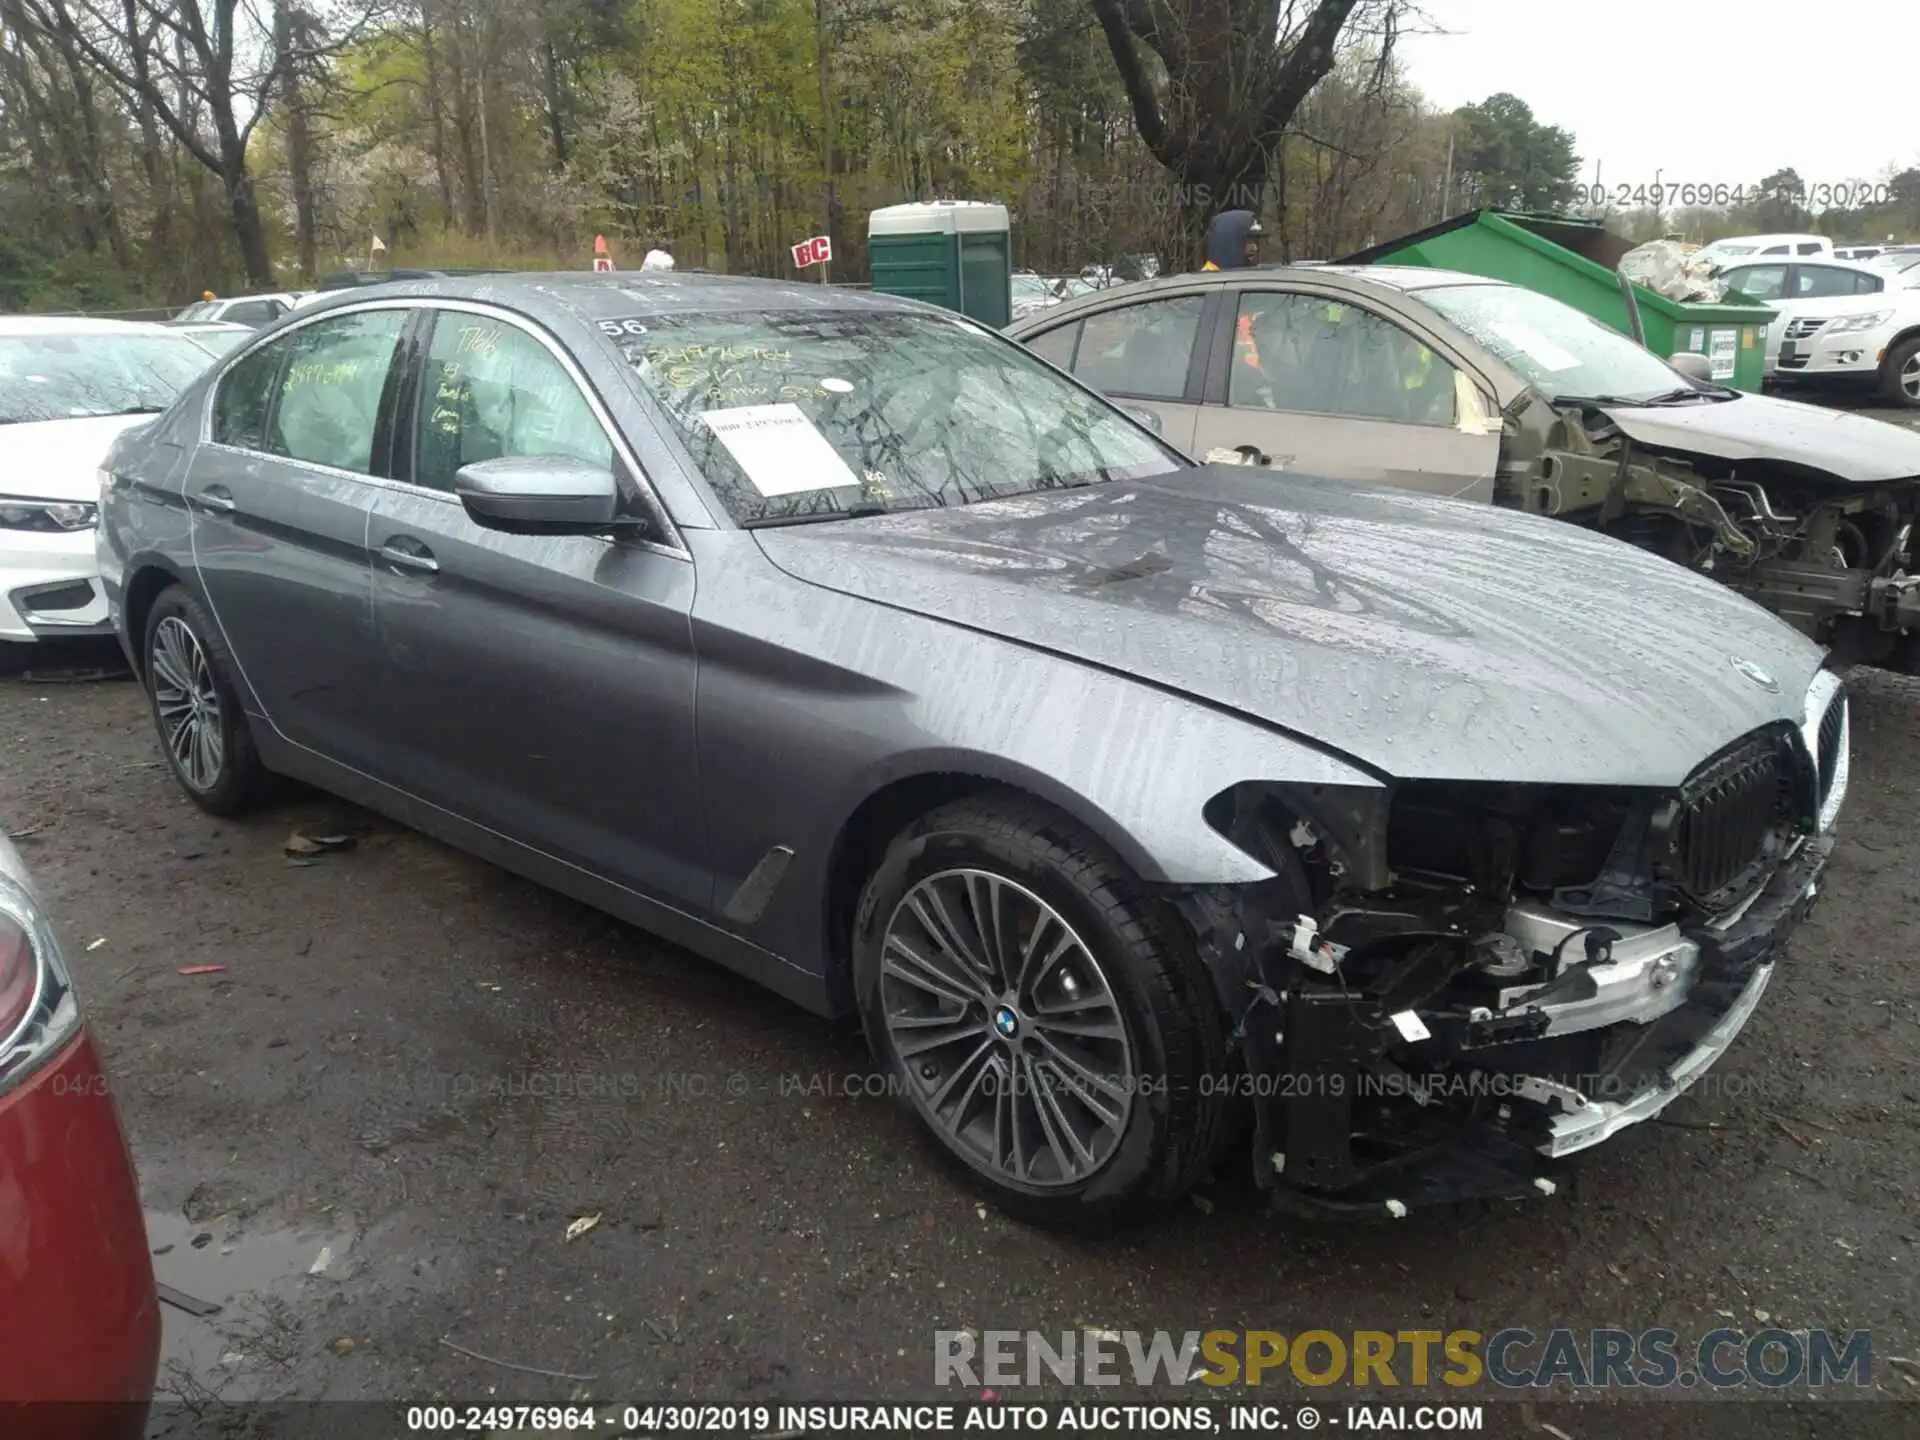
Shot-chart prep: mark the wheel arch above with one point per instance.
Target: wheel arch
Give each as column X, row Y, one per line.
column 894, row 801
column 145, row 580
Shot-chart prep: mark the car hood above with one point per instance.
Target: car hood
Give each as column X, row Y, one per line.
column 60, row 459
column 1855, row 448
column 1423, row 637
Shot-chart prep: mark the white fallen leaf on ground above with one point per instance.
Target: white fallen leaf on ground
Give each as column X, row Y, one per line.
column 582, row 1225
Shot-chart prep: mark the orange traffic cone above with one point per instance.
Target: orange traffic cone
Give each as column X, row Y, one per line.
column 602, row 257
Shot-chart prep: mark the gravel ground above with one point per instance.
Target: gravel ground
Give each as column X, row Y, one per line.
column 383, row 1086
column 372, row 1076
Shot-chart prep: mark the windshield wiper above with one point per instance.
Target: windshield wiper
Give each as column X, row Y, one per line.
column 858, row 512
column 1691, row 392
column 1665, row 397
column 140, row 410
column 1598, row 400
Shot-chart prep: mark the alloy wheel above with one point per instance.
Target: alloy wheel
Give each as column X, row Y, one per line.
column 188, row 704
column 1910, row 377
column 1006, row 1027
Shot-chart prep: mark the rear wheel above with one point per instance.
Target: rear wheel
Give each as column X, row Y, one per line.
column 195, row 695
column 1900, row 373
column 1044, row 1018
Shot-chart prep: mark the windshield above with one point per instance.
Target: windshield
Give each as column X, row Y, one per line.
column 67, row 377
column 199, row 310
column 1031, row 287
column 219, row 342
column 1557, row 349
column 814, row 414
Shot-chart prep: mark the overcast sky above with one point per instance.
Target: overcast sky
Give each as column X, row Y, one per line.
column 1831, row 89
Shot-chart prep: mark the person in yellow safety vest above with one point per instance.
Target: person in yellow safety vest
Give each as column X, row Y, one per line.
column 1233, row 243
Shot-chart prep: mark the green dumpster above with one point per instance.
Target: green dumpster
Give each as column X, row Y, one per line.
column 1573, row 261
column 956, row 253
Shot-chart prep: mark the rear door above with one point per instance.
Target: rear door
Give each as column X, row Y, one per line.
column 278, row 492
column 1146, row 353
column 1310, row 381
column 542, row 686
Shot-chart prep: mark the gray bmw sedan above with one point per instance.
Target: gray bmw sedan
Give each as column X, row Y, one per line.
column 1146, row 813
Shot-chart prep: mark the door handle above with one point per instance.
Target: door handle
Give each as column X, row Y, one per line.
column 407, row 554
column 218, row 499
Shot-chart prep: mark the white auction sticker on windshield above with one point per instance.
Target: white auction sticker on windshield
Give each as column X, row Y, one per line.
column 780, row 449
column 1535, row 346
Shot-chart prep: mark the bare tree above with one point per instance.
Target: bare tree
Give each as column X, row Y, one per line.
column 207, row 73
column 1214, row 84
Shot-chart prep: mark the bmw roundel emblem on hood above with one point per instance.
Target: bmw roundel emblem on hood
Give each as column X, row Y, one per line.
column 1754, row 673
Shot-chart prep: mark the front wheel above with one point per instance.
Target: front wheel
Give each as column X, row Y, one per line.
column 1044, row 1018
column 1900, row 374
column 195, row 696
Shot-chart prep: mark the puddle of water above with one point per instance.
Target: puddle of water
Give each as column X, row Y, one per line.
column 260, row 1279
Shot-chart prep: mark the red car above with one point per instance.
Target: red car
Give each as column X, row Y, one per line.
column 79, row 1319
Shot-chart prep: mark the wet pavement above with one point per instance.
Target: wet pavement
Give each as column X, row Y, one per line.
column 366, row 1138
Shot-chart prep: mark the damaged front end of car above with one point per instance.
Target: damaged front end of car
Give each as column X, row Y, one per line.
column 1449, row 988
column 1830, row 553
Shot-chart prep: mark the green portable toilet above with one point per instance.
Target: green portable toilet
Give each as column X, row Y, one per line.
column 1574, row 261
column 956, row 253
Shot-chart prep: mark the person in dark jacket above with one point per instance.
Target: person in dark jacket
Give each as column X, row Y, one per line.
column 1233, row 240
column 1233, row 243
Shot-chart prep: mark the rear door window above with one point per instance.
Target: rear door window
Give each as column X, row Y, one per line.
column 245, row 395
column 1142, row 351
column 1056, row 346
column 329, row 392
column 1759, row 282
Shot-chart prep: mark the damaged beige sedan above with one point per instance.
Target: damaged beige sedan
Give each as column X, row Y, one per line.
column 1460, row 385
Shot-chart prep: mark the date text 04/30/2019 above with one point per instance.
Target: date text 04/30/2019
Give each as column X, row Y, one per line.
column 921, row 1419
column 1840, row 194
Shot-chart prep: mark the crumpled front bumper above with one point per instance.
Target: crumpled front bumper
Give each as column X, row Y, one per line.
column 1667, row 1005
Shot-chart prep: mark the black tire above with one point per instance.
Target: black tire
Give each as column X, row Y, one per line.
column 1898, row 358
column 239, row 782
column 1177, row 1120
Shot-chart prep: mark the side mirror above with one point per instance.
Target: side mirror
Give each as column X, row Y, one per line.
column 539, row 495
column 1693, row 365
column 1146, row 417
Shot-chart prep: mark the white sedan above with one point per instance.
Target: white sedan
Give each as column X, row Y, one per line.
column 250, row 310
column 1839, row 321
column 67, row 389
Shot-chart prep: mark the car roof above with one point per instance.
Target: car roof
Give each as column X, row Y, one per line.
column 1773, row 239
column 1835, row 262
column 75, row 325
column 1407, row 278
column 587, row 296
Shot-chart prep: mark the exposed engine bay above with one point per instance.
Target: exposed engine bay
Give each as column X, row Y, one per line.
column 1834, row 556
column 1448, row 988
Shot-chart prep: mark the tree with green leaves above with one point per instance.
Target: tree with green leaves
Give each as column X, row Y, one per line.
column 1512, row 161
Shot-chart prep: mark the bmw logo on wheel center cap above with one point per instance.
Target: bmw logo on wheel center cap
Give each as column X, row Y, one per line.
column 1006, row 1022
column 1759, row 676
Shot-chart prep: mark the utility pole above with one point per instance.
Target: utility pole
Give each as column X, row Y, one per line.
column 826, row 128
column 1446, row 194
